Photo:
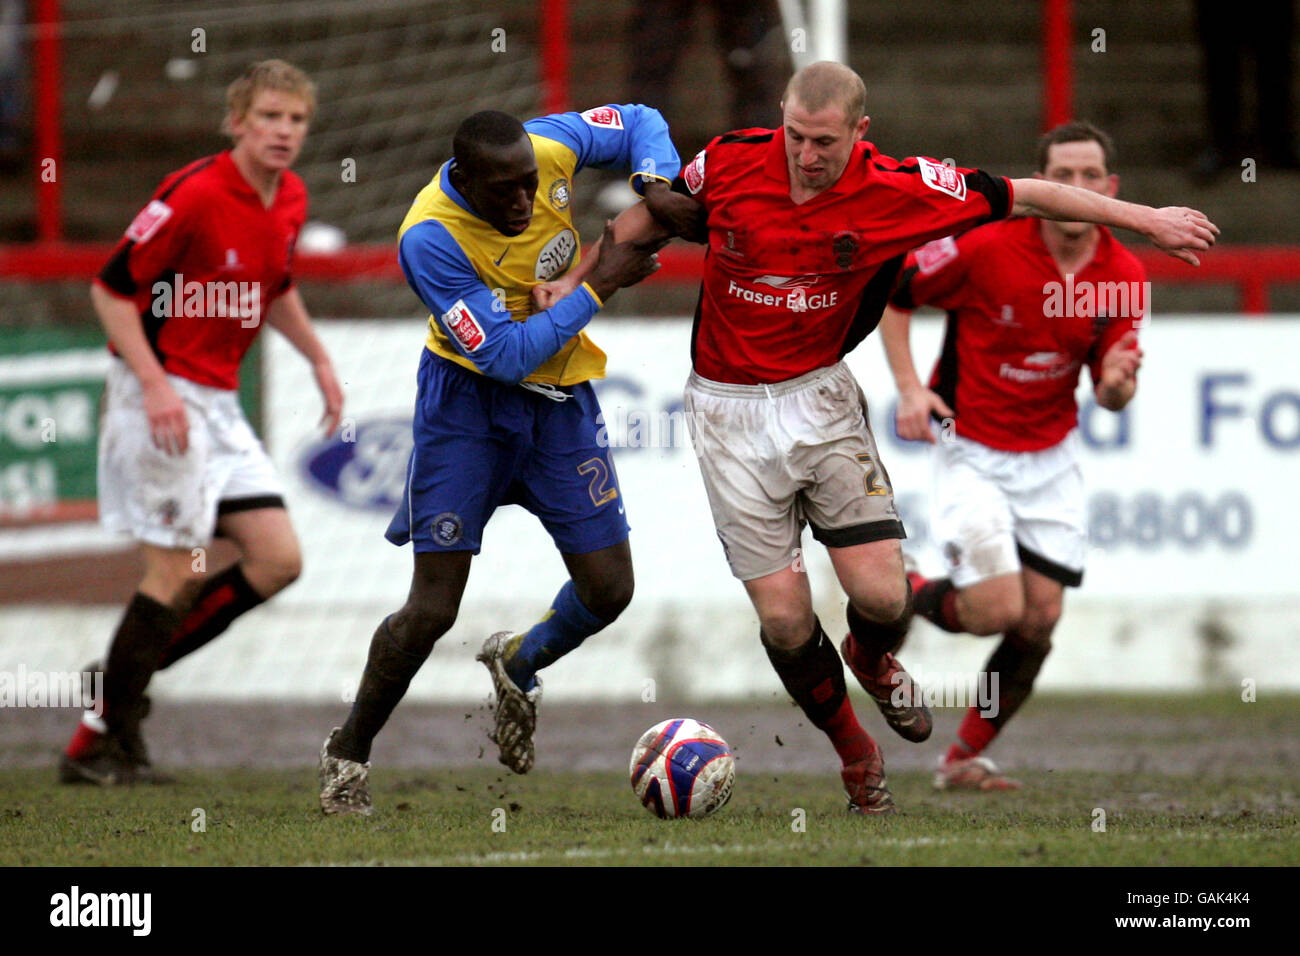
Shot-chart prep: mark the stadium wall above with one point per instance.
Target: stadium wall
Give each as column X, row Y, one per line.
column 1190, row 583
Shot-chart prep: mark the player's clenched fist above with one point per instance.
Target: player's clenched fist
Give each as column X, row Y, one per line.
column 622, row 264
column 1121, row 362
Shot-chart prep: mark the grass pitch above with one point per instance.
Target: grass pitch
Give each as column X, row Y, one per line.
column 1213, row 812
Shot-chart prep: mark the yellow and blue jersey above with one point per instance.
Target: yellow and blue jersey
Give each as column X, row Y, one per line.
column 476, row 281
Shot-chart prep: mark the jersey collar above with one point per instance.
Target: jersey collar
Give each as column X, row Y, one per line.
column 1100, row 254
column 851, row 179
column 444, row 182
column 238, row 184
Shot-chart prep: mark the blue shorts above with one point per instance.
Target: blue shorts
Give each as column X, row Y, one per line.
column 480, row 444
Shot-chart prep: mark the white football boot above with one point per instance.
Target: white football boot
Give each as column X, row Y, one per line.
column 516, row 711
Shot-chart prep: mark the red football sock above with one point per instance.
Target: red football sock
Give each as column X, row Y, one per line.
column 848, row 738
column 83, row 739
column 974, row 734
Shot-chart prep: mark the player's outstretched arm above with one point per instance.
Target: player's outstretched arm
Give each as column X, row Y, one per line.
column 916, row 403
column 168, row 424
column 1179, row 231
column 288, row 315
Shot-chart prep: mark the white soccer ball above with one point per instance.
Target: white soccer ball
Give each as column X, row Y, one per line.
column 682, row 768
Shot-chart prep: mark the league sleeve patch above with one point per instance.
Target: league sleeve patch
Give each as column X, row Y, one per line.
column 942, row 178
column 933, row 256
column 604, row 117
column 148, row 221
column 694, row 173
column 460, row 321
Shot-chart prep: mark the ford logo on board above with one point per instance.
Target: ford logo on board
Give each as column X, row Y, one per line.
column 369, row 472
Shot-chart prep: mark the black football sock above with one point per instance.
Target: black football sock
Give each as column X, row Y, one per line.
column 223, row 598
column 389, row 669
column 144, row 631
column 1015, row 664
column 873, row 640
column 936, row 601
column 812, row 674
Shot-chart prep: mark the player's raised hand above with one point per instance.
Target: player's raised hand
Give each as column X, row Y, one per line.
column 915, row 406
column 330, row 391
column 1182, row 232
column 1120, row 364
column 169, row 425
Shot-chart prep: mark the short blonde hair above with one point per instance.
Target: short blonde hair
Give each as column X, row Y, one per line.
column 266, row 75
column 824, row 83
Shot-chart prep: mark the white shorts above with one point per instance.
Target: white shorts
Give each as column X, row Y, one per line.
column 173, row 501
column 775, row 457
column 996, row 511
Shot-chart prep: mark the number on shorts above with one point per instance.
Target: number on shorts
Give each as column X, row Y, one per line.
column 598, row 485
column 869, row 481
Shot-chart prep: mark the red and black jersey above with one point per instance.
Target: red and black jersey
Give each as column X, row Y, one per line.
column 791, row 288
column 203, row 261
column 1018, row 331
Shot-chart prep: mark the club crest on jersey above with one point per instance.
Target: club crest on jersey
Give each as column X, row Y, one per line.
column 942, row 178
column 694, row 173
column 844, row 245
column 604, row 117
column 447, row 528
column 935, row 255
column 461, row 323
column 559, row 194
column 556, row 256
column 148, row 221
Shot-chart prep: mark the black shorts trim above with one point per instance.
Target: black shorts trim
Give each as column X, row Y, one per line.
column 1049, row 568
column 230, row 506
column 860, row 533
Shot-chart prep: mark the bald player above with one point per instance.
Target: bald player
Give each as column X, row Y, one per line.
column 807, row 227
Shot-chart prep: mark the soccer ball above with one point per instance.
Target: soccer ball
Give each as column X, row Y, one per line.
column 682, row 768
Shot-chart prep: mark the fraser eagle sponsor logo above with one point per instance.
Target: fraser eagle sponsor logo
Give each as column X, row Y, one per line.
column 148, row 221
column 796, row 300
column 935, row 255
column 942, row 178
column 368, row 473
column 694, row 174
column 1040, row 367
column 207, row 300
column 460, row 322
column 605, row 117
column 1088, row 300
column 75, row 908
column 556, row 256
